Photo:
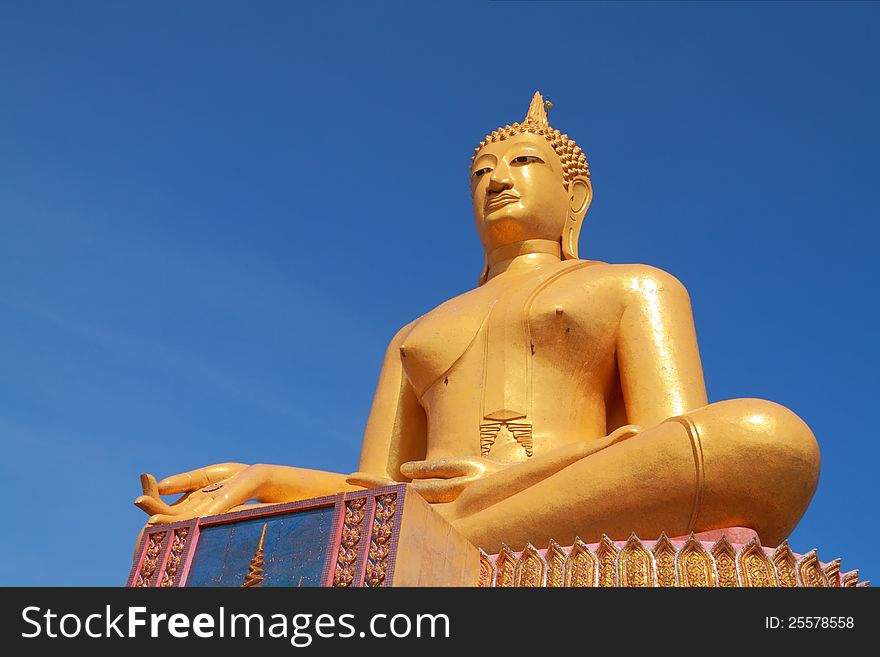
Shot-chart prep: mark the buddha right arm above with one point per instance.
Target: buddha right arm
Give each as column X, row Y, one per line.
column 395, row 434
column 396, row 431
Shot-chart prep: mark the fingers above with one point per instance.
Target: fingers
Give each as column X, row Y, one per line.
column 369, row 480
column 149, row 485
column 442, row 490
column 442, row 469
column 195, row 479
column 152, row 505
column 624, row 432
column 193, row 506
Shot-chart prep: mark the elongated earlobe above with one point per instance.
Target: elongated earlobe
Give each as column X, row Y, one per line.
column 580, row 197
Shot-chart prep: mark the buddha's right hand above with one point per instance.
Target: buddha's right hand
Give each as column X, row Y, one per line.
column 207, row 491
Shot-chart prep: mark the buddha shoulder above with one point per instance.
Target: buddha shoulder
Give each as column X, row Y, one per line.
column 631, row 279
column 582, row 286
column 600, row 286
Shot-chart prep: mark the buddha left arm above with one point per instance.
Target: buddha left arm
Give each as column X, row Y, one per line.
column 658, row 359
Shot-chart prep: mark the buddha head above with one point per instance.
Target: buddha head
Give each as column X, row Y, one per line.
column 529, row 182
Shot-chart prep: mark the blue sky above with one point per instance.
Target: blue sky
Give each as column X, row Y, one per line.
column 213, row 217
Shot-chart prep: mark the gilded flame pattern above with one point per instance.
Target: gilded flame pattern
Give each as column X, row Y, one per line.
column 555, row 565
column 664, row 558
column 832, row 572
column 352, row 528
column 151, row 559
column 531, row 569
column 380, row 539
column 487, row 570
column 694, row 564
column 850, row 579
column 725, row 563
column 178, row 545
column 784, row 561
column 581, row 566
column 755, row 568
column 809, row 571
column 606, row 554
column 635, row 565
column 506, row 565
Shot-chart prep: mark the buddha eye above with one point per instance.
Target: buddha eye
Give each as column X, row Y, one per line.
column 527, row 159
column 480, row 172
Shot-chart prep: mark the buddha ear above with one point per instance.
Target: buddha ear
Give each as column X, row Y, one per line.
column 580, row 195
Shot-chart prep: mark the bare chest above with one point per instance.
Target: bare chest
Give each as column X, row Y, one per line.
column 508, row 332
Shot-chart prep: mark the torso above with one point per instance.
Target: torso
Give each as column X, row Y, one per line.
column 519, row 366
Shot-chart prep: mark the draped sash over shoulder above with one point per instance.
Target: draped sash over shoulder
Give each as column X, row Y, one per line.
column 495, row 319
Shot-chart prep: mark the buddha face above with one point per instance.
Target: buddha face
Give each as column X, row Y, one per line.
column 518, row 192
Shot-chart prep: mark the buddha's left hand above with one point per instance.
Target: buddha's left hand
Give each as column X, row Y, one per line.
column 443, row 480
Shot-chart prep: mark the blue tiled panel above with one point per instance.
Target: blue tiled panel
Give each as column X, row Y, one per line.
column 294, row 548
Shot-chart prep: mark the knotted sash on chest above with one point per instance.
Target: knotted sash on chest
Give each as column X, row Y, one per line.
column 507, row 372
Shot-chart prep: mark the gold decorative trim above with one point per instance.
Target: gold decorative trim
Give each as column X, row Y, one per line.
column 832, row 572
column 487, row 570
column 380, row 539
column 725, row 563
column 555, row 558
column 635, row 564
column 664, row 558
column 784, row 561
column 520, row 431
column 606, row 554
column 581, row 566
column 809, row 571
column 755, row 568
column 531, row 570
column 350, row 540
column 254, row 576
column 151, row 559
column 178, row 545
column 506, row 565
column 694, row 566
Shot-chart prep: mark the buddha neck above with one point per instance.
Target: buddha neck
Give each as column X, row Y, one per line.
column 523, row 256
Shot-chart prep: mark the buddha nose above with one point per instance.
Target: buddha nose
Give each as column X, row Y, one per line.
column 499, row 179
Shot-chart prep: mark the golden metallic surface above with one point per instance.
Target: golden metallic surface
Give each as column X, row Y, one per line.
column 560, row 397
column 785, row 561
column 555, row 558
column 581, row 566
column 531, row 569
column 694, row 566
column 487, row 570
column 810, row 572
column 664, row 558
column 635, row 565
column 832, row 572
column 506, row 565
column 693, row 563
column 754, row 566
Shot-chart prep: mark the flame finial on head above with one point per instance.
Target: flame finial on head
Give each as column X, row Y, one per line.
column 572, row 158
column 537, row 113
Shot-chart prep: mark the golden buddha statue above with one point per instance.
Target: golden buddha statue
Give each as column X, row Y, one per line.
column 560, row 397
